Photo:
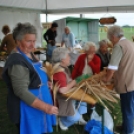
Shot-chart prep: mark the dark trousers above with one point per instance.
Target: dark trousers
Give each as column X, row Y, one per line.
column 18, row 127
column 127, row 108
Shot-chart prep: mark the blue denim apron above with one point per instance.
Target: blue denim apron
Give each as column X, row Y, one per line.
column 34, row 121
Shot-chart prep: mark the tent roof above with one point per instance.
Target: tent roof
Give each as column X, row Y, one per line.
column 37, row 5
column 70, row 6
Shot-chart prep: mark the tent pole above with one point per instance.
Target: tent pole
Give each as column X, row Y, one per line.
column 46, row 10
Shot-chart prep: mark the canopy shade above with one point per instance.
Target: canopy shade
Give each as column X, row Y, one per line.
column 70, row 6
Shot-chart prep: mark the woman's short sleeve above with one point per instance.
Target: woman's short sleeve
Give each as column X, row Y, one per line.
column 60, row 78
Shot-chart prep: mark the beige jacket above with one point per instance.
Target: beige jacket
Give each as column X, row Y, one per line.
column 124, row 76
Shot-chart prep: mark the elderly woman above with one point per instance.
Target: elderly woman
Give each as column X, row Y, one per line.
column 67, row 110
column 29, row 103
column 121, row 66
column 87, row 63
column 68, row 38
column 103, row 53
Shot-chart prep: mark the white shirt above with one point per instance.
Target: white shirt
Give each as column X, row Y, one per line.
column 87, row 69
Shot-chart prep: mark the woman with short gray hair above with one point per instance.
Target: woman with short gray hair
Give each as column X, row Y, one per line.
column 67, row 112
column 23, row 29
column 29, row 103
column 59, row 54
column 87, row 63
column 88, row 45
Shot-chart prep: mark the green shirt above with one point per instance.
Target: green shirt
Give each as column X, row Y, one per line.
column 19, row 76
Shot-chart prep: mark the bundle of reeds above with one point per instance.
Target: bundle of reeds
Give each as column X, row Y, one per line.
column 50, row 71
column 91, row 90
column 96, row 89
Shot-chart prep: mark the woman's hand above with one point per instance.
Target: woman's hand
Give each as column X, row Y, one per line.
column 47, row 108
column 51, row 109
column 49, row 41
column 90, row 57
column 104, row 79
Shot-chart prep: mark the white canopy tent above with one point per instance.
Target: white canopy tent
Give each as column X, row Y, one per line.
column 14, row 11
column 71, row 6
column 11, row 18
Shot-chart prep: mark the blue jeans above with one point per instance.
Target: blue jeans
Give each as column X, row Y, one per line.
column 127, row 108
column 70, row 120
column 50, row 49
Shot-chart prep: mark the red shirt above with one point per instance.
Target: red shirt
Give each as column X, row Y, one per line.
column 80, row 64
column 60, row 77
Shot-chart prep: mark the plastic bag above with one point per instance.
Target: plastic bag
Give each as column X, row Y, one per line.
column 108, row 121
column 95, row 127
column 95, row 116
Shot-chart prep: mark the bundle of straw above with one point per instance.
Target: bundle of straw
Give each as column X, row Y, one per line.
column 95, row 88
column 50, row 71
column 91, row 90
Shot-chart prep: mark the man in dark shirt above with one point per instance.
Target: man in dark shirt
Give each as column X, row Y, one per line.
column 50, row 36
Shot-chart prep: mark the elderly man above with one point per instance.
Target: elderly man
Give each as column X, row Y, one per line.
column 103, row 53
column 122, row 65
column 68, row 38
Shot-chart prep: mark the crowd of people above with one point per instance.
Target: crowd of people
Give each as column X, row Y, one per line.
column 30, row 104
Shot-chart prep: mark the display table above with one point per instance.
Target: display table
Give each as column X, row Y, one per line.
column 41, row 53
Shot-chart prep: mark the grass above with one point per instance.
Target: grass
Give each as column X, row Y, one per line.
column 6, row 126
column 128, row 32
